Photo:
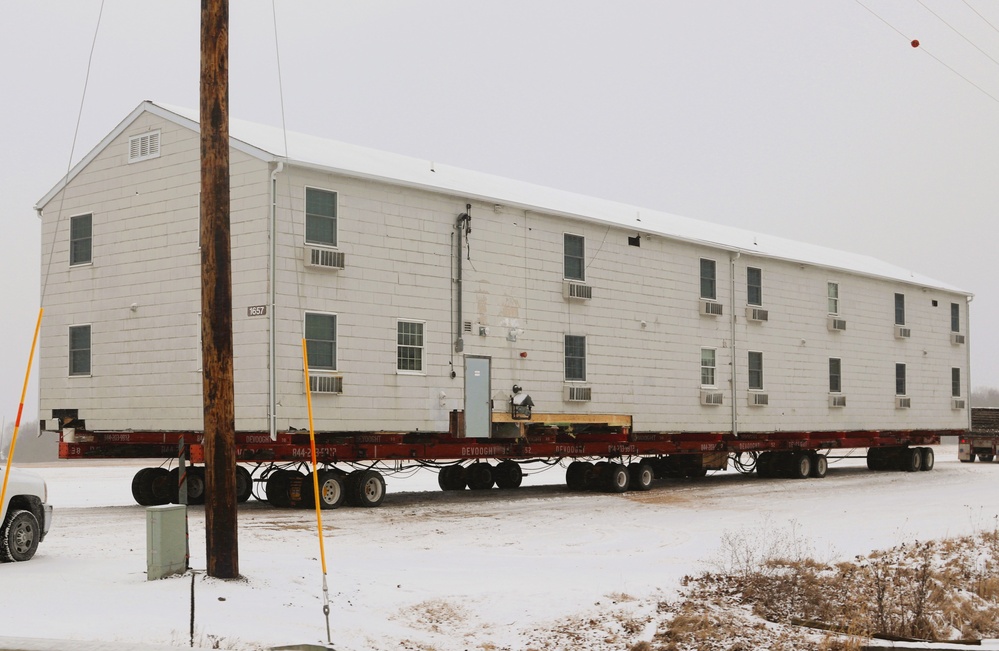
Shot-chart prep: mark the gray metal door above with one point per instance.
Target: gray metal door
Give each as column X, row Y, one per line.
column 478, row 389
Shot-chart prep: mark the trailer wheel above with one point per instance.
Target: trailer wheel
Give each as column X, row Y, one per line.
column 480, row 476
column 765, row 464
column 577, row 475
column 508, row 474
column 910, row 460
column 876, row 459
column 801, row 465
column 244, row 484
column 986, row 458
column 277, row 488
column 331, row 492
column 640, row 476
column 820, row 466
column 928, row 459
column 196, row 485
column 19, row 536
column 617, row 478
column 452, row 478
column 365, row 488
column 142, row 491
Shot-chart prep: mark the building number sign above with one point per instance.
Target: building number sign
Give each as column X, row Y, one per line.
column 256, row 310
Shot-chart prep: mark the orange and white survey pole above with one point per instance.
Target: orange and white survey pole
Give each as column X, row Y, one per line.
column 20, row 409
column 315, row 488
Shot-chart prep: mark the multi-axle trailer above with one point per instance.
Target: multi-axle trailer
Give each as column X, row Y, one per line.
column 602, row 452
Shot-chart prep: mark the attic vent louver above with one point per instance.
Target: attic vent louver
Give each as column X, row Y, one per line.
column 144, row 147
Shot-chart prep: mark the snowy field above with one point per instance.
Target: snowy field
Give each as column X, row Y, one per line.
column 445, row 571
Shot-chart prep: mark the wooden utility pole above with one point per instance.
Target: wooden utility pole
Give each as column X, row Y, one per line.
column 216, row 295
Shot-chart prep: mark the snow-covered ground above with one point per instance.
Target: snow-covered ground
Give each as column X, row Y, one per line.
column 446, row 571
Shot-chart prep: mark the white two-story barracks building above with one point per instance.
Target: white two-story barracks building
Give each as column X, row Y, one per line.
column 415, row 283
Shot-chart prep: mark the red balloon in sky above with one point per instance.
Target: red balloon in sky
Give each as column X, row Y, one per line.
column 915, row 43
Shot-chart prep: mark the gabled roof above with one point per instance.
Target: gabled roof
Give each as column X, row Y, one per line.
column 272, row 144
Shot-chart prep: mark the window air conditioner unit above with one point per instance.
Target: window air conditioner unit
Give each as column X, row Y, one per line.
column 901, row 332
column 711, row 308
column 326, row 384
column 956, row 339
column 323, row 258
column 902, row 402
column 711, row 397
column 837, row 401
column 836, row 324
column 957, row 403
column 757, row 314
column 576, row 394
column 758, row 399
column 576, row 291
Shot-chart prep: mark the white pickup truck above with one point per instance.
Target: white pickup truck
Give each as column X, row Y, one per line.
column 25, row 516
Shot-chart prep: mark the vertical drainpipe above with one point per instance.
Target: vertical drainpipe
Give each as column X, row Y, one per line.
column 272, row 321
column 735, row 409
column 967, row 352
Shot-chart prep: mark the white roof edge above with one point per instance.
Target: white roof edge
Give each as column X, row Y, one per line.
column 262, row 142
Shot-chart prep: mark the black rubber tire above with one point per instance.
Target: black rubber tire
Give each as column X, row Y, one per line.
column 452, row 478
column 801, row 465
column 244, row 484
column 508, row 475
column 331, row 489
column 142, row 490
column 765, row 465
column 820, row 466
column 159, row 485
column 276, row 489
column 640, row 476
column 929, row 459
column 480, row 476
column 617, row 478
column 195, row 484
column 365, row 488
column 19, row 536
column 986, row 458
column 577, row 475
column 910, row 460
column 876, row 459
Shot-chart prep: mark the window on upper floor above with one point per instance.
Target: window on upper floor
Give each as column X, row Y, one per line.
column 955, row 382
column 754, row 286
column 409, row 349
column 708, row 279
column 320, row 341
column 81, row 239
column 708, row 367
column 755, row 371
column 835, row 375
column 900, row 309
column 955, row 317
column 320, row 217
column 575, row 358
column 573, row 250
column 900, row 379
column 832, row 295
column 79, row 350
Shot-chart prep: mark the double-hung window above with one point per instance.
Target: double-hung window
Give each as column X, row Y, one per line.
column 832, row 295
column 900, row 309
column 955, row 317
column 79, row 350
column 320, row 217
column 900, row 379
column 320, row 341
column 575, row 358
column 754, row 286
column 708, row 367
column 755, row 371
column 708, row 279
column 573, row 249
column 81, row 239
column 835, row 375
column 409, row 349
column 955, row 382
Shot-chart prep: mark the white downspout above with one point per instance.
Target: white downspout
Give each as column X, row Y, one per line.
column 272, row 321
column 735, row 408
column 967, row 350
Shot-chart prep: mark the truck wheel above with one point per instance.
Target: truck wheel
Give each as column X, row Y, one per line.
column 617, row 478
column 508, row 474
column 195, row 485
column 20, row 536
column 142, row 491
column 159, row 485
column 928, row 459
column 277, row 487
column 801, row 465
column 765, row 464
column 876, row 459
column 820, row 466
column 331, row 492
column 986, row 458
column 365, row 488
column 910, row 460
column 244, row 484
column 640, row 476
column 577, row 475
column 452, row 478
column 480, row 476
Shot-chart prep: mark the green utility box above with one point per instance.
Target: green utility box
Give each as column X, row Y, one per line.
column 166, row 540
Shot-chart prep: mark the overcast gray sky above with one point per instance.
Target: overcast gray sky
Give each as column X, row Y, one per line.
column 815, row 120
